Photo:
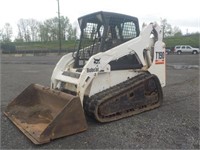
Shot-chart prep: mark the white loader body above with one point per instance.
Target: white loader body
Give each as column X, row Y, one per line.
column 97, row 76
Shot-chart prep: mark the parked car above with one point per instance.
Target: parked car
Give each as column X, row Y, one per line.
column 167, row 51
column 186, row 49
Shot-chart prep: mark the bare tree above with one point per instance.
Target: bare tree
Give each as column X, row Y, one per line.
column 167, row 28
column 6, row 33
column 177, row 31
column 1, row 35
column 71, row 33
column 34, row 29
column 20, row 34
column 28, row 29
column 23, row 30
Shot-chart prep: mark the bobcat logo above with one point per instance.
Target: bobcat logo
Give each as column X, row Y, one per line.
column 97, row 61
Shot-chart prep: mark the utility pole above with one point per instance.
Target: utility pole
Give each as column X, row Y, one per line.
column 59, row 28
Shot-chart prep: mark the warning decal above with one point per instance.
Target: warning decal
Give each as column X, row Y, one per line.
column 160, row 58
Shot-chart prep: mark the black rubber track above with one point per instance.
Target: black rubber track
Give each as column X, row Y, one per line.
column 136, row 95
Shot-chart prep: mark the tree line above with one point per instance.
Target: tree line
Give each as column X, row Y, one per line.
column 38, row 32
column 31, row 30
column 168, row 30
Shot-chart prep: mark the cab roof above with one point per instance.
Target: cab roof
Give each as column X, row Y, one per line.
column 103, row 16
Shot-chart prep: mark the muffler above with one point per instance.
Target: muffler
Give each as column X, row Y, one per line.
column 44, row 114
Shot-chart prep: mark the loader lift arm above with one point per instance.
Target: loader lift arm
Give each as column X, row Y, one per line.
column 134, row 47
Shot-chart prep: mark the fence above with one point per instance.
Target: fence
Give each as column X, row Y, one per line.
column 37, row 52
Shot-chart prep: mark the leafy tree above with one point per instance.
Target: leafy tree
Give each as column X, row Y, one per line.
column 49, row 30
column 65, row 27
column 43, row 32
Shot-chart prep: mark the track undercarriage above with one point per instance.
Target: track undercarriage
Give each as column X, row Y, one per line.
column 136, row 95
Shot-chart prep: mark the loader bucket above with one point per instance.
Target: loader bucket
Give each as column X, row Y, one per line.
column 43, row 114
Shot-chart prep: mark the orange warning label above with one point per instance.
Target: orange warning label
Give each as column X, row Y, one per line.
column 160, row 58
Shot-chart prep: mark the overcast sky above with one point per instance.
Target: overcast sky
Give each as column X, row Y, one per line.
column 182, row 13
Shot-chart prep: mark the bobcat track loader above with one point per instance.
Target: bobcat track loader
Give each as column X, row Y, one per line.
column 116, row 72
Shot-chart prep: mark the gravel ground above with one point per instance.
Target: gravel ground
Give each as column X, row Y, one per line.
column 174, row 125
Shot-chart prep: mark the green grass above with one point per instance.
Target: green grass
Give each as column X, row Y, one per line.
column 170, row 42
column 192, row 40
column 54, row 45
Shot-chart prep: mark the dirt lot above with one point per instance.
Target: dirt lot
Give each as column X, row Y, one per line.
column 174, row 125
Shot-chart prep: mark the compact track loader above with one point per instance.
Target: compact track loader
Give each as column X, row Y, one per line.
column 117, row 71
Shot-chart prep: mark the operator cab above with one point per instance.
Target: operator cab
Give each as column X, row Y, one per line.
column 102, row 31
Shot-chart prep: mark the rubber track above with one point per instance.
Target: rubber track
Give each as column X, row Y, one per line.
column 91, row 105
